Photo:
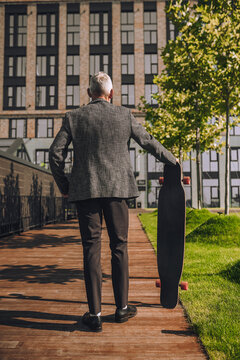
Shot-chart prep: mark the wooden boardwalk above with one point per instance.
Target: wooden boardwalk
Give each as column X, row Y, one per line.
column 42, row 298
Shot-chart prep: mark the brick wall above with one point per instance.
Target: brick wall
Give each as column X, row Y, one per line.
column 138, row 51
column 116, row 53
column 31, row 57
column 62, row 56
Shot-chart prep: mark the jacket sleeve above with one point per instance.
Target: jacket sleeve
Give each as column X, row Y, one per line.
column 58, row 154
column 149, row 143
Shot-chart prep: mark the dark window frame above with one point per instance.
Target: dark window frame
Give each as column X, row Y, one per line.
column 127, row 104
column 11, row 128
column 72, row 97
column 44, row 151
column 13, row 81
column 51, row 128
column 103, row 49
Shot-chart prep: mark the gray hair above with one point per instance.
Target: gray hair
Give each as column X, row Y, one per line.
column 100, row 84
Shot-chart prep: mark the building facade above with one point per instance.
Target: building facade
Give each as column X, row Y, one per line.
column 49, row 50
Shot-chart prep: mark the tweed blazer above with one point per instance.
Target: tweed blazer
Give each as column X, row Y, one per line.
column 101, row 133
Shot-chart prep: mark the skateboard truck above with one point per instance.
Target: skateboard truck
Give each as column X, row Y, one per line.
column 185, row 180
column 183, row 284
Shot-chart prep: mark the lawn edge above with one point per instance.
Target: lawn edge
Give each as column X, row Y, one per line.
column 186, row 315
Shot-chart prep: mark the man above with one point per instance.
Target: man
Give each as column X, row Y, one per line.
column 101, row 180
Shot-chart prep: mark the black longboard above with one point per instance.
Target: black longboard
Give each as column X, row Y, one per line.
column 171, row 234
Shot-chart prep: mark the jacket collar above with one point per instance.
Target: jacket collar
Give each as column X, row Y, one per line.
column 98, row 100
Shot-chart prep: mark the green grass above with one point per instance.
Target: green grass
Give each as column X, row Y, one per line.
column 212, row 269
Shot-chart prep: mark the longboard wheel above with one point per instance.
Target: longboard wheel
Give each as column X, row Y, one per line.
column 184, row 285
column 186, row 180
column 158, row 283
column 161, row 180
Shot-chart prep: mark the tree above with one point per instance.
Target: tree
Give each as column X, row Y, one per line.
column 184, row 104
column 221, row 34
column 202, row 70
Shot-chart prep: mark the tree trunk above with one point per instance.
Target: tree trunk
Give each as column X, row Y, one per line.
column 180, row 155
column 199, row 173
column 227, row 160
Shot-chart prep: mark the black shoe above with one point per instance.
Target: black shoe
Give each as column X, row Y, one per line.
column 93, row 322
column 123, row 315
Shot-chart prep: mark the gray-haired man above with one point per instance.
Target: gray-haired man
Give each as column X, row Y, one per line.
column 101, row 180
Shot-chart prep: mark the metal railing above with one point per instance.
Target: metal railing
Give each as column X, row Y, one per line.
column 20, row 213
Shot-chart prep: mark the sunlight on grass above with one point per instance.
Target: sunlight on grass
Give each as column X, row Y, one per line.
column 212, row 269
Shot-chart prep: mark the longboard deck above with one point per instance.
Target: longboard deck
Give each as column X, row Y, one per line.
column 171, row 234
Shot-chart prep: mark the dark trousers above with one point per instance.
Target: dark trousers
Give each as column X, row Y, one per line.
column 115, row 212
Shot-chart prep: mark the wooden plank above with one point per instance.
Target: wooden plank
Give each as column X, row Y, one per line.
column 42, row 299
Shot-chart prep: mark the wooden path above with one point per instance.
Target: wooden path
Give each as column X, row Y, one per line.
column 42, row 298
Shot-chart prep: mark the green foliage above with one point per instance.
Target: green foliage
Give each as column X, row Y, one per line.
column 195, row 218
column 220, row 230
column 212, row 271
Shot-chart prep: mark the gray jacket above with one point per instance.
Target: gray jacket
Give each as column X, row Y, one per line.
column 101, row 133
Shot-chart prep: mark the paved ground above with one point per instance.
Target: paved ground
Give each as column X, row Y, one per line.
column 42, row 298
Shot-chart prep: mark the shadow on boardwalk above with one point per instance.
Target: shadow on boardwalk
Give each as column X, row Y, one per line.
column 42, row 299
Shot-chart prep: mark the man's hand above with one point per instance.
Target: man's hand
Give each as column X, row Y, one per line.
column 65, row 196
column 177, row 160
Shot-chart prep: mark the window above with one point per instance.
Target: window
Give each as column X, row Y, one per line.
column 105, row 63
column 21, row 97
column 73, row 29
column 99, row 63
column 100, row 30
column 151, row 64
column 42, row 30
column 44, row 128
column 15, row 57
column 149, row 90
column 17, row 30
column 127, row 64
column 16, row 97
column 150, row 27
column 46, row 29
column 73, row 96
column 235, row 159
column 52, row 66
column 210, row 161
column 105, row 28
column 235, row 131
column 128, row 95
column 10, row 96
column 11, row 31
column 41, row 65
column 22, row 30
column 45, row 96
column 10, row 66
column 41, row 96
column 73, row 65
column 132, row 154
column 94, row 64
column 46, row 65
column 127, row 28
column 42, row 158
column 94, row 29
column 17, row 128
column 16, row 66
column 69, row 161
column 52, row 29
column 21, row 66
column 211, row 193
column 172, row 33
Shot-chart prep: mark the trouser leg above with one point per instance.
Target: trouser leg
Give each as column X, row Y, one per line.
column 90, row 223
column 116, row 217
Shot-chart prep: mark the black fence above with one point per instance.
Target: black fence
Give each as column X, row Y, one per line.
column 20, row 213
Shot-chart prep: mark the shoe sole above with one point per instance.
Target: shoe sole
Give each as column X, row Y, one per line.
column 89, row 327
column 125, row 319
